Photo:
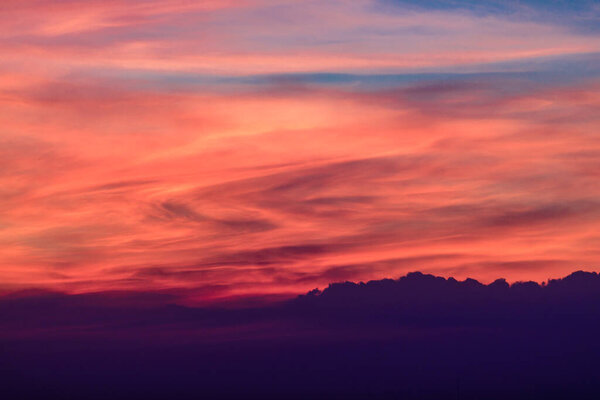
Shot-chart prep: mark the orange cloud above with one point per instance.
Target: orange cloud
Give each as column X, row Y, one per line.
column 118, row 170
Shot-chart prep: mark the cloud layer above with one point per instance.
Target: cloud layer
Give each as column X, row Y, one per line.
column 274, row 146
column 417, row 337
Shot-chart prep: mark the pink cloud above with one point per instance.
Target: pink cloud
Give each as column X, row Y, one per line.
column 112, row 178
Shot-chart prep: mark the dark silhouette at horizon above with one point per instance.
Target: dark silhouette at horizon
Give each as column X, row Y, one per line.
column 416, row 337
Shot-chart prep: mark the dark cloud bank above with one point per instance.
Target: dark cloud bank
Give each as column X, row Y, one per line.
column 418, row 337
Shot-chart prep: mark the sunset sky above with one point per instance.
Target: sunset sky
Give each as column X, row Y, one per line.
column 224, row 148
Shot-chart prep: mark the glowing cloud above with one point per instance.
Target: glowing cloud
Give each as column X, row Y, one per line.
column 275, row 146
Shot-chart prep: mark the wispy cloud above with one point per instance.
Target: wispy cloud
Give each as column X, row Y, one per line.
column 264, row 146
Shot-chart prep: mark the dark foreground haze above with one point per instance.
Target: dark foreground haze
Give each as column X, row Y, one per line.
column 418, row 337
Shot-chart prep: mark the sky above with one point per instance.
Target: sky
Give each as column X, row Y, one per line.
column 268, row 147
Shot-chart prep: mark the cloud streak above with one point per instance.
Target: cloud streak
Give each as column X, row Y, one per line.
column 270, row 147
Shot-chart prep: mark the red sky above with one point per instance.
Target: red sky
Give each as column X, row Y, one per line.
column 233, row 147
